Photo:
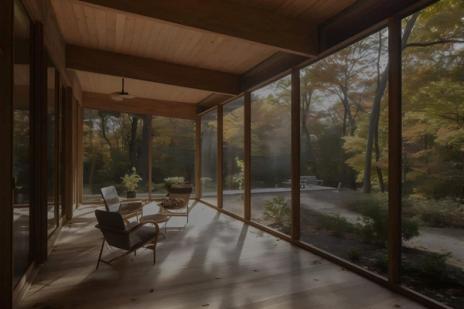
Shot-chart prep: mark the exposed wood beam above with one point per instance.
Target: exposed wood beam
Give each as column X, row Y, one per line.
column 227, row 18
column 139, row 106
column 104, row 62
column 212, row 100
column 361, row 16
column 355, row 20
column 268, row 69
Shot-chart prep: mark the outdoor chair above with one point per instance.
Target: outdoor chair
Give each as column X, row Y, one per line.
column 128, row 237
column 177, row 202
column 113, row 203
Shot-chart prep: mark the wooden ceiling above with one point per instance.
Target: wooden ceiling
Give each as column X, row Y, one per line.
column 101, row 83
column 97, row 27
column 189, row 51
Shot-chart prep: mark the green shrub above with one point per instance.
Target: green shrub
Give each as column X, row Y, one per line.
column 434, row 265
column 354, row 255
column 435, row 213
column 337, row 225
column 430, row 266
column 373, row 227
column 278, row 211
column 381, row 261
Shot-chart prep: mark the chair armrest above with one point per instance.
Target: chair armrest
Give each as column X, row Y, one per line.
column 130, row 203
column 101, row 228
column 137, row 226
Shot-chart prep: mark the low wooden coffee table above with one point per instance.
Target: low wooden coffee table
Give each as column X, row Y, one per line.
column 157, row 218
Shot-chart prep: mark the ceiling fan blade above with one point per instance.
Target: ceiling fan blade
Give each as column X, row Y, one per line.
column 116, row 97
column 129, row 96
column 121, row 95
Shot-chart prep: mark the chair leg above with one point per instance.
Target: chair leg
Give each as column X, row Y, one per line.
column 154, row 249
column 101, row 251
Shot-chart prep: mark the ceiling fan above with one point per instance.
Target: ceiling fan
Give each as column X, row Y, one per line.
column 121, row 95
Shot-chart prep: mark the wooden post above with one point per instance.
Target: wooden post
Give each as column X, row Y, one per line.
column 39, row 147
column 247, row 157
column 67, row 153
column 295, row 155
column 198, row 157
column 394, row 150
column 75, row 153
column 80, row 153
column 6, row 155
column 56, row 150
column 150, row 155
column 219, row 157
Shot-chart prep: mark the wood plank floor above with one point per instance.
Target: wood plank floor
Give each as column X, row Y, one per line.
column 214, row 262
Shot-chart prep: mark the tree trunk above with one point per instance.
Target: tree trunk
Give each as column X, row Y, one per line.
column 142, row 164
column 373, row 127
column 103, row 129
column 306, row 146
column 375, row 114
column 133, row 141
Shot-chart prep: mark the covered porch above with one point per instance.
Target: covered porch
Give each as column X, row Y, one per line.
column 318, row 147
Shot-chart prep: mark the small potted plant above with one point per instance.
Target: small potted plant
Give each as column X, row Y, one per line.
column 177, row 185
column 131, row 183
column 170, row 181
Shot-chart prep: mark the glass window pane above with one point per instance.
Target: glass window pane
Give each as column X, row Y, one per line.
column 233, row 155
column 209, row 157
column 21, row 143
column 173, row 153
column 433, row 152
column 344, row 155
column 271, row 155
column 115, row 153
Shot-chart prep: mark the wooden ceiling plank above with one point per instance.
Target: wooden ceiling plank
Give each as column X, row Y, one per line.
column 110, row 63
column 228, row 18
column 139, row 106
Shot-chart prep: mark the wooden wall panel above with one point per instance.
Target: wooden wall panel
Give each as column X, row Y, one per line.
column 42, row 11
